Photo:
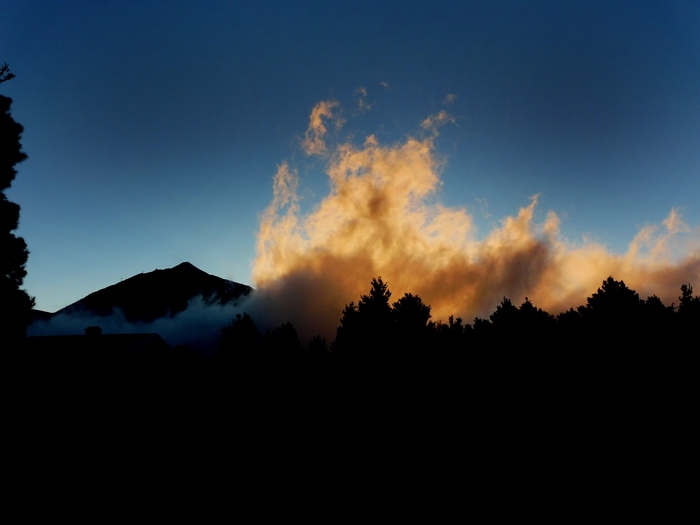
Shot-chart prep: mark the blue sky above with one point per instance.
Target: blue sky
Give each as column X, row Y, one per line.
column 154, row 129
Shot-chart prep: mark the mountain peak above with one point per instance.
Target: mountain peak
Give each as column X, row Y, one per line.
column 185, row 266
column 147, row 296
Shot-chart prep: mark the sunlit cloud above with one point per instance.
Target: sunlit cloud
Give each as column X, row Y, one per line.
column 449, row 99
column 385, row 85
column 433, row 122
column 380, row 218
column 314, row 140
column 362, row 104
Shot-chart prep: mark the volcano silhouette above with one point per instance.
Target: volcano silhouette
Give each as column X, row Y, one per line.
column 161, row 293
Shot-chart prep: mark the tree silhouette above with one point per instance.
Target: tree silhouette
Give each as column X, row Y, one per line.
column 613, row 307
column 374, row 308
column 538, row 325
column 411, row 315
column 613, row 300
column 15, row 303
column 366, row 331
column 689, row 305
column 5, row 74
column 453, row 336
column 412, row 331
column 282, row 347
column 317, row 347
column 688, row 317
column 318, row 353
column 240, row 342
column 658, row 318
column 569, row 323
column 348, row 333
column 483, row 329
column 612, row 320
column 506, row 317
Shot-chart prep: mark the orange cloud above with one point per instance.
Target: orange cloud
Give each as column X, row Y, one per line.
column 433, row 122
column 362, row 104
column 377, row 219
column 314, row 140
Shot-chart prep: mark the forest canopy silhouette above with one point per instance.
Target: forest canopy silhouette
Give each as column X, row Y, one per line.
column 378, row 334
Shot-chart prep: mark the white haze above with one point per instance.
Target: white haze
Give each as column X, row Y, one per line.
column 199, row 326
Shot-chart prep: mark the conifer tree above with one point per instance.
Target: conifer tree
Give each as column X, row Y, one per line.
column 15, row 303
column 366, row 329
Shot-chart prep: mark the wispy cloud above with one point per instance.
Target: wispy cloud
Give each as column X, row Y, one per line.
column 449, row 99
column 484, row 205
column 362, row 104
column 314, row 140
column 433, row 122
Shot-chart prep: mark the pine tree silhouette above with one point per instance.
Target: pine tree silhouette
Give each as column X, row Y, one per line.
column 15, row 304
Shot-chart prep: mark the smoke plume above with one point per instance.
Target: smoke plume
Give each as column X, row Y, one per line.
column 378, row 220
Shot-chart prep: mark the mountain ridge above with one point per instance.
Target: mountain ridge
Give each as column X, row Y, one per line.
column 148, row 296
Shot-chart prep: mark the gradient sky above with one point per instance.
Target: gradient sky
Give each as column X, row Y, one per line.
column 154, row 128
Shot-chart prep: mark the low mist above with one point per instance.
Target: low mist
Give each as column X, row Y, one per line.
column 199, row 326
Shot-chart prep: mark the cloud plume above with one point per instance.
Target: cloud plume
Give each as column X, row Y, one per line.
column 379, row 219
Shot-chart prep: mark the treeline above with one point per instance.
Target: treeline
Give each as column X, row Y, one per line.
column 519, row 381
column 617, row 362
column 615, row 326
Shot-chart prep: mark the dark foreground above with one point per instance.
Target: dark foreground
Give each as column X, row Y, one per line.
column 591, row 409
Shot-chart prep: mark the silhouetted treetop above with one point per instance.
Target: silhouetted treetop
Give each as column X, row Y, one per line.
column 411, row 313
column 283, row 339
column 5, row 73
column 368, row 332
column 531, row 314
column 687, row 300
column 240, row 335
column 654, row 308
column 612, row 301
column 317, row 347
column 375, row 306
column 506, row 315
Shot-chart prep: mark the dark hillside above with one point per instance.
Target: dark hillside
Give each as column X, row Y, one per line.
column 149, row 296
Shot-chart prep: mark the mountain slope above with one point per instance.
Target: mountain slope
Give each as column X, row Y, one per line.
column 148, row 296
